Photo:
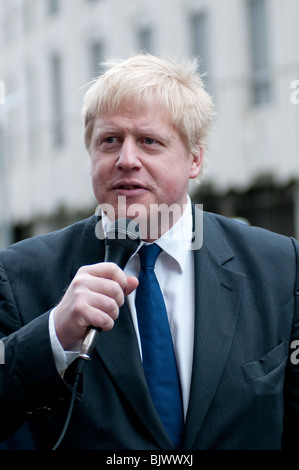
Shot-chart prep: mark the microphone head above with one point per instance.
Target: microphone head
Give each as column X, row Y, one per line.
column 124, row 234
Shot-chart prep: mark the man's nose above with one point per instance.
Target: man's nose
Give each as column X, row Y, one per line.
column 128, row 157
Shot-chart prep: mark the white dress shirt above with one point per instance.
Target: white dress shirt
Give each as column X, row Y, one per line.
column 175, row 272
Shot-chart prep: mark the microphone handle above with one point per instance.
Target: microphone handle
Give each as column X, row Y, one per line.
column 89, row 343
column 118, row 255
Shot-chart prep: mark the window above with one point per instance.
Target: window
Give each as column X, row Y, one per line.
column 28, row 15
column 199, row 42
column 96, row 56
column 57, row 100
column 8, row 26
column 1, row 152
column 145, row 43
column 32, row 109
column 2, row 92
column 259, row 53
column 53, row 6
column 5, row 225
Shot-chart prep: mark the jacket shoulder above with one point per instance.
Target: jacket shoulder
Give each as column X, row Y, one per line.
column 42, row 248
column 244, row 237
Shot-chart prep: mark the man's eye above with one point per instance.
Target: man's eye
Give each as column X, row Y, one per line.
column 149, row 141
column 110, row 140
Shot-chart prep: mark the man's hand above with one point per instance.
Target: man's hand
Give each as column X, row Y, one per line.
column 92, row 299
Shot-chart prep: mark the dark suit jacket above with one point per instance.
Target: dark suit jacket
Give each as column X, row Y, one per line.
column 245, row 388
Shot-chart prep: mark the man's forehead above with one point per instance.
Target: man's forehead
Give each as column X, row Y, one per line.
column 147, row 118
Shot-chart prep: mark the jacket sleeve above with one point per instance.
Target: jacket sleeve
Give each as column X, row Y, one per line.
column 291, row 395
column 29, row 381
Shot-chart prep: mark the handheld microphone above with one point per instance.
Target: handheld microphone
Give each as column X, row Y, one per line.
column 122, row 240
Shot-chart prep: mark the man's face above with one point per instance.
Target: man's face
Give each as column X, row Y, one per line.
column 138, row 163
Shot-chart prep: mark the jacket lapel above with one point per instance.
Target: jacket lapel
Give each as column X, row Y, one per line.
column 125, row 366
column 217, row 299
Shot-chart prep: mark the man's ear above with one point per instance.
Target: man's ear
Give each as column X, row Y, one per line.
column 196, row 163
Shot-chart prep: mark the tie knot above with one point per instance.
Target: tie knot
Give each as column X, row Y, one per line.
column 148, row 255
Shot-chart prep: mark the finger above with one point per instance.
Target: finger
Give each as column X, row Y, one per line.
column 99, row 319
column 105, row 304
column 132, row 284
column 96, row 285
column 108, row 271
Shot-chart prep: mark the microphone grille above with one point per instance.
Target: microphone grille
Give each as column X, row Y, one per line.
column 124, row 232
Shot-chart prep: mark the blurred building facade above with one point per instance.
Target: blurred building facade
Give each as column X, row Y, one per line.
column 50, row 51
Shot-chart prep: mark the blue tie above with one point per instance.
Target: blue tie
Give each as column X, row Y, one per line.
column 157, row 348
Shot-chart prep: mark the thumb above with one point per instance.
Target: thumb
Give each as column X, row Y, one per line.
column 132, row 283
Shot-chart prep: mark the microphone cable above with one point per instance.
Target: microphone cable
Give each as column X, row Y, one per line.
column 78, row 376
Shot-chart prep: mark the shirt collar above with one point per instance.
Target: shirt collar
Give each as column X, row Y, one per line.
column 176, row 241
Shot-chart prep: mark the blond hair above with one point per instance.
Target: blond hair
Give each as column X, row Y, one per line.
column 176, row 87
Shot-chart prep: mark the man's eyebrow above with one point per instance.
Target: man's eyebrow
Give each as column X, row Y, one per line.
column 142, row 130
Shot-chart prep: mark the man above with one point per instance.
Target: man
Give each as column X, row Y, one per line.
column 231, row 291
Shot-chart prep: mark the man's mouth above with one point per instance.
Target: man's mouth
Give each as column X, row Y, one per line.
column 129, row 189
